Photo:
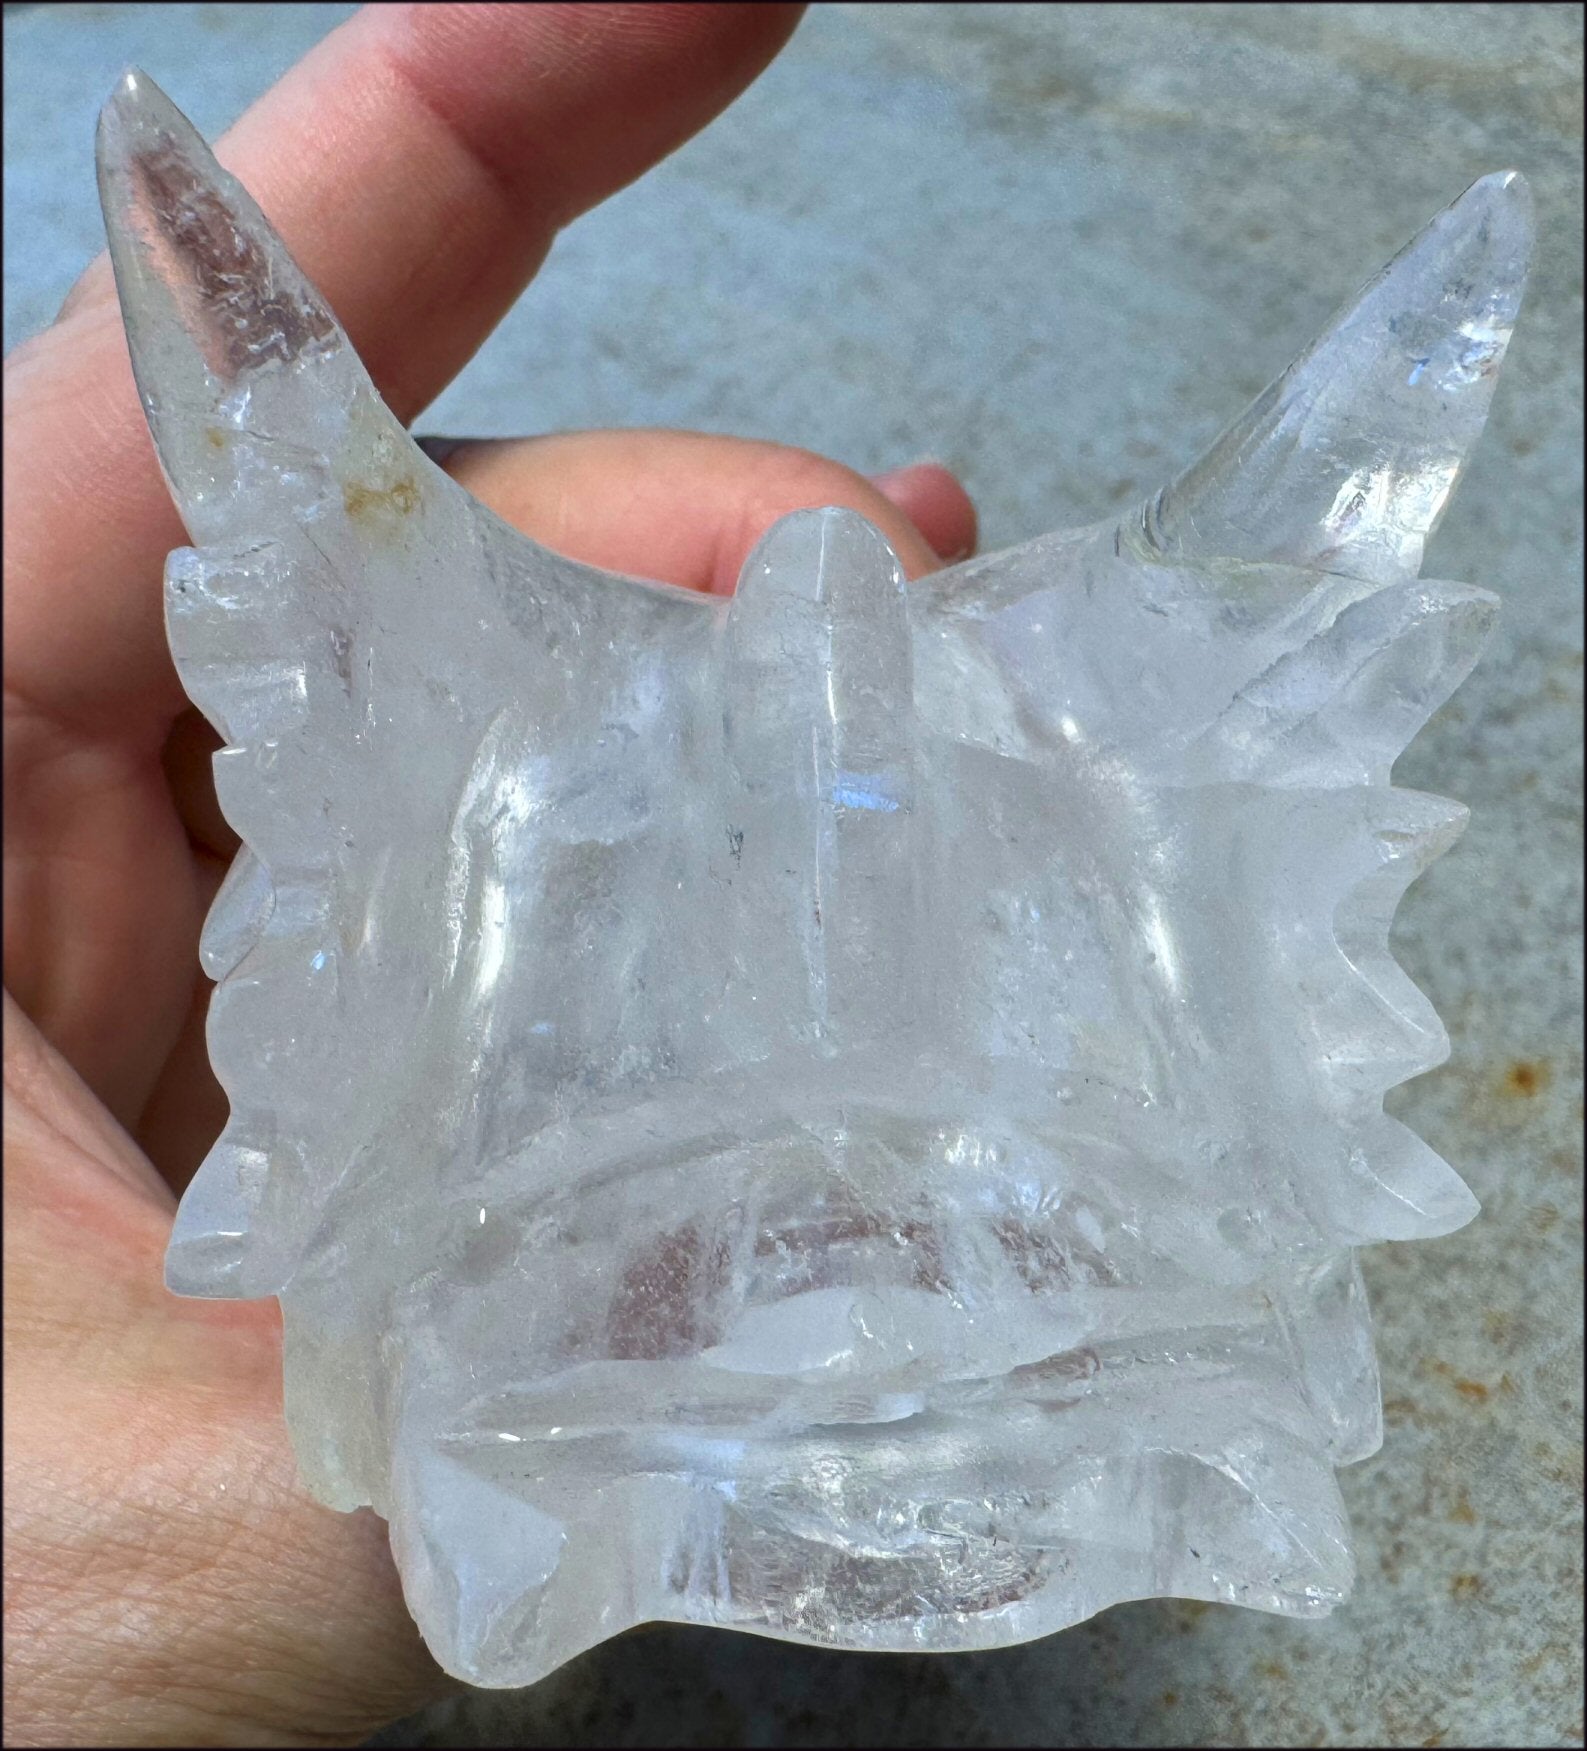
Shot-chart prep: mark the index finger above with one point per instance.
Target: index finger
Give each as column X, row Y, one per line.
column 418, row 163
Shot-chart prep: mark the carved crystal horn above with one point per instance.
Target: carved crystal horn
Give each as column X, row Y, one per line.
column 1346, row 463
column 245, row 375
column 323, row 576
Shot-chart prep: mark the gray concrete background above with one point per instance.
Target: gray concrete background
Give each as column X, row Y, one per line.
column 1058, row 247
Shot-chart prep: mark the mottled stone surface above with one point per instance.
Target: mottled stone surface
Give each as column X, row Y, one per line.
column 1178, row 178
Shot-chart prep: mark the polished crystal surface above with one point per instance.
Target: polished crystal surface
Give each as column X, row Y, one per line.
column 843, row 1112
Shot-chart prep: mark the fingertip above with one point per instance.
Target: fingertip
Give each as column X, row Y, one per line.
column 683, row 508
column 931, row 495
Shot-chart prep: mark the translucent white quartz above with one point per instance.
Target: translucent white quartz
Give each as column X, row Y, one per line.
column 843, row 1112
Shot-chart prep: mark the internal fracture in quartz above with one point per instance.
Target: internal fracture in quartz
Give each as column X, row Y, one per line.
column 843, row 1112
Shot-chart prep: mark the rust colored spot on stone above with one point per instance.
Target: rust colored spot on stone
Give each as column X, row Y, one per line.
column 1465, row 1586
column 1273, row 1669
column 1544, row 1216
column 1463, row 1514
column 1525, row 1078
column 215, row 437
column 1561, row 1468
column 365, row 501
column 1473, row 1390
column 1170, row 1697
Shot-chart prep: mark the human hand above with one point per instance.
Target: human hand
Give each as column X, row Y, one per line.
column 168, row 1580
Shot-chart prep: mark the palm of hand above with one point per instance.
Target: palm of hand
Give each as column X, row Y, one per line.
column 168, row 1580
column 162, row 1559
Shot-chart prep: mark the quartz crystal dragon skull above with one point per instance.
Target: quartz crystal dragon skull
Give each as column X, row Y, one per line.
column 843, row 1112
